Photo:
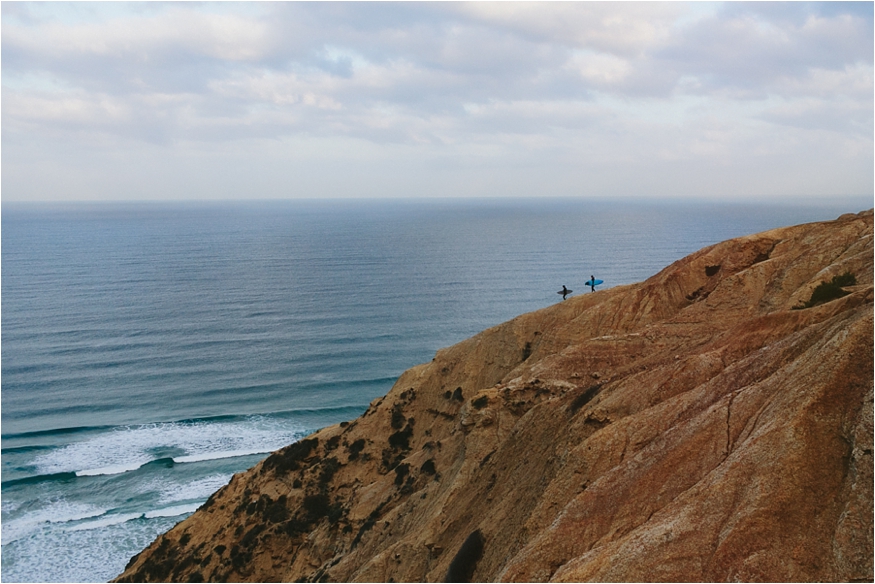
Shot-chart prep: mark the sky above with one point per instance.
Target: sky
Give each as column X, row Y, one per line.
column 176, row 101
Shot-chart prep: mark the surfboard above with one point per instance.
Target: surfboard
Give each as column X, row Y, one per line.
column 593, row 282
column 565, row 292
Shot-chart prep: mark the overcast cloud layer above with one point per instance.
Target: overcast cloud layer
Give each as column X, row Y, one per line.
column 760, row 101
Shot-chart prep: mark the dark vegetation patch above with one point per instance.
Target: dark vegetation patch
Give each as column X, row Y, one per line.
column 183, row 541
column 251, row 536
column 316, row 506
column 401, row 440
column 457, row 395
column 584, row 398
column 240, row 558
column 373, row 408
column 828, row 291
column 313, row 509
column 329, row 467
column 290, row 457
column 463, row 565
column 400, row 472
column 408, row 486
column 276, row 512
column 211, row 500
column 356, row 448
column 398, row 418
column 332, row 443
column 265, row 506
column 158, row 565
column 390, row 460
column 335, row 512
column 295, row 526
column 527, row 351
column 712, row 270
column 428, row 467
column 480, row 402
column 182, row 565
column 219, row 549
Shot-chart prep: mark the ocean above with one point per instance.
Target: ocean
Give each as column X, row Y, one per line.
column 152, row 350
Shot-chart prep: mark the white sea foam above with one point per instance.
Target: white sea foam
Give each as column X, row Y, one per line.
column 85, row 555
column 57, row 511
column 109, row 470
column 9, row 506
column 198, row 490
column 105, row 521
column 172, row 511
column 217, row 455
column 171, row 491
column 128, row 448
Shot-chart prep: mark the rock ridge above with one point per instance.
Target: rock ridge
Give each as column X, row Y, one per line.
column 696, row 426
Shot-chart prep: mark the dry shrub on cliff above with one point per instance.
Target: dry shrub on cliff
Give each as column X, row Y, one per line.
column 290, row 457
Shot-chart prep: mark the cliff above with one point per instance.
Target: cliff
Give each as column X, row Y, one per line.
column 702, row 425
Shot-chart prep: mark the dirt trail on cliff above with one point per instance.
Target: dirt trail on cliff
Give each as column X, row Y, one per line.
column 697, row 426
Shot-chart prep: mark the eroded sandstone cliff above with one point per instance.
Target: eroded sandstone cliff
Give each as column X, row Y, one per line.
column 691, row 427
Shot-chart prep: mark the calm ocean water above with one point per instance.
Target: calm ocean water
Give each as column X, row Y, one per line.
column 150, row 351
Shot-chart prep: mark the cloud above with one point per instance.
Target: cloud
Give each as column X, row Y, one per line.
column 742, row 49
column 624, row 29
column 173, row 32
column 602, row 70
column 559, row 89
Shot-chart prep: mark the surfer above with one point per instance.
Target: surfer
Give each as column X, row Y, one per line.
column 565, row 292
column 591, row 283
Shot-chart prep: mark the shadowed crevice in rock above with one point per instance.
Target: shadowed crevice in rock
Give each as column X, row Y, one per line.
column 465, row 562
column 584, row 398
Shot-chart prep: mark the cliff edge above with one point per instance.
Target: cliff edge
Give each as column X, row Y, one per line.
column 711, row 423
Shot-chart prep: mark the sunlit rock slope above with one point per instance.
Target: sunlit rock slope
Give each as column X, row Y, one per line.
column 694, row 426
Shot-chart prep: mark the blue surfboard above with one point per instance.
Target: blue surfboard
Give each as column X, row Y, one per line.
column 593, row 282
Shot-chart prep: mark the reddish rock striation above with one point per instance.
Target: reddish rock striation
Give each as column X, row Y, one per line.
column 693, row 427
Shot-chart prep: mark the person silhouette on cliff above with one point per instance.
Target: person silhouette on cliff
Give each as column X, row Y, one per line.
column 592, row 283
column 565, row 292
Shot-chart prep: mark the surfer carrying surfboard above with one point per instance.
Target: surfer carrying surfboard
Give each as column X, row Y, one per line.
column 565, row 292
column 593, row 283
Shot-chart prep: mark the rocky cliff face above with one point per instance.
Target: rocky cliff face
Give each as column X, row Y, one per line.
column 691, row 427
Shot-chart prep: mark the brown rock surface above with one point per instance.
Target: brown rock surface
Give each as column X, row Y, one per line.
column 693, row 427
